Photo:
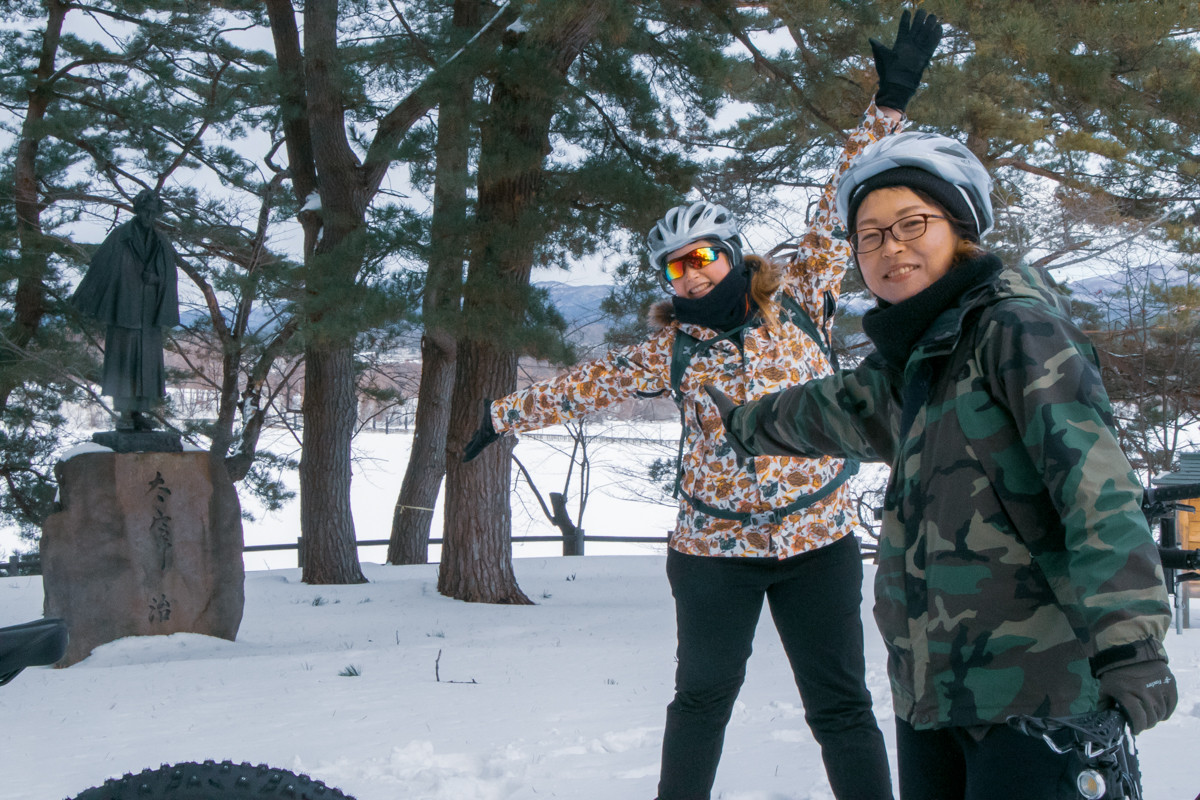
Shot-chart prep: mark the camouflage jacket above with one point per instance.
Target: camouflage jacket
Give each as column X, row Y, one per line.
column 767, row 361
column 1012, row 547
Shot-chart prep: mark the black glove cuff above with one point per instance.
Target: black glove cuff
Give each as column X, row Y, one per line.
column 1144, row 650
column 893, row 96
column 897, row 89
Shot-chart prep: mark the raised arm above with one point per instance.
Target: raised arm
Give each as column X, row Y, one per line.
column 823, row 255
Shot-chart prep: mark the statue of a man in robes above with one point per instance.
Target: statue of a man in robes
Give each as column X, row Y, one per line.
column 130, row 286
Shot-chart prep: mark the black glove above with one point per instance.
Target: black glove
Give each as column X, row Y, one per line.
column 484, row 435
column 900, row 67
column 725, row 407
column 1144, row 690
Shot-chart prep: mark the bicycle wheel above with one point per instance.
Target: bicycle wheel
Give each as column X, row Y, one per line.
column 213, row 781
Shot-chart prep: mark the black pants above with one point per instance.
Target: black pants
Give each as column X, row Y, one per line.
column 814, row 599
column 949, row 764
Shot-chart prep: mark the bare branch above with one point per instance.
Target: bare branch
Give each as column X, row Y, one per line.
column 422, row 49
column 461, row 66
column 766, row 65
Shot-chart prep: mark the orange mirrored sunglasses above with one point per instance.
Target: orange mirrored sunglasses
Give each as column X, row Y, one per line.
column 699, row 258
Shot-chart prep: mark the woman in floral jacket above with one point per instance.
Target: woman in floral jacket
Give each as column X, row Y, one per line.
column 773, row 528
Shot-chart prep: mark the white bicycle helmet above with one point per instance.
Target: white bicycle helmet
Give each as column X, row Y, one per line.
column 933, row 153
column 689, row 223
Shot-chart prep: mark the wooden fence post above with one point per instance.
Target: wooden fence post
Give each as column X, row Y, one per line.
column 573, row 543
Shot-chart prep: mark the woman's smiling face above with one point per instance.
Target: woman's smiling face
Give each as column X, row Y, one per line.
column 898, row 270
column 697, row 282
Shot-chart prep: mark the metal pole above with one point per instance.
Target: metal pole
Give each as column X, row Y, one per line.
column 1169, row 538
column 1186, row 590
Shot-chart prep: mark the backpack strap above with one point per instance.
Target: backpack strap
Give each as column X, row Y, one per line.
column 686, row 347
column 796, row 314
column 772, row 516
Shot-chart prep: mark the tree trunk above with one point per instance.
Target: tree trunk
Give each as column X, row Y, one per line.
column 476, row 562
column 330, row 405
column 29, row 303
column 330, row 410
column 413, row 515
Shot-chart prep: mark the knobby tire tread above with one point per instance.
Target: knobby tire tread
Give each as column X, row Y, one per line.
column 212, row 780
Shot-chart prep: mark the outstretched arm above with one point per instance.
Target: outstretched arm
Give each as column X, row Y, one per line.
column 641, row 369
column 849, row 414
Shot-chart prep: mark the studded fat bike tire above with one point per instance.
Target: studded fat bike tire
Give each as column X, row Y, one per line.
column 212, row 780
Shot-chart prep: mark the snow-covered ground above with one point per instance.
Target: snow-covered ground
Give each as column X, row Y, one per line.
column 561, row 699
column 454, row 701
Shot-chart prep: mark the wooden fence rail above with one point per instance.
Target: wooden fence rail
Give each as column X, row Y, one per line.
column 572, row 545
column 31, row 563
column 28, row 564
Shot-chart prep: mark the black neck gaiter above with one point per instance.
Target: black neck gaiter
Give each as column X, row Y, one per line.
column 724, row 308
column 896, row 329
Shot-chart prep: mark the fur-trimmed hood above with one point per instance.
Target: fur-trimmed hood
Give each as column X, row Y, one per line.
column 661, row 315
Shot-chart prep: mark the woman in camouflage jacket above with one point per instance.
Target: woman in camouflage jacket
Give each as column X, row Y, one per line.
column 1017, row 575
column 745, row 530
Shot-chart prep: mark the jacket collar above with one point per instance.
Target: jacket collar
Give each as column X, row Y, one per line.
column 1004, row 283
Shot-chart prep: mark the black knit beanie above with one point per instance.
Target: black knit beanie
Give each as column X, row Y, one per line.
column 944, row 192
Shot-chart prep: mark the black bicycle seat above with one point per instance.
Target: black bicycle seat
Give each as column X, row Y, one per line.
column 32, row 644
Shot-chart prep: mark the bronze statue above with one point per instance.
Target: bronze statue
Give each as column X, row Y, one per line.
column 130, row 286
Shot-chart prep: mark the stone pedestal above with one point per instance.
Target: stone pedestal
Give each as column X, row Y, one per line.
column 144, row 544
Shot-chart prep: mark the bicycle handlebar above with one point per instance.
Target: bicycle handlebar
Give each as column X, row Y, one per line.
column 1158, row 501
column 33, row 644
column 1174, row 558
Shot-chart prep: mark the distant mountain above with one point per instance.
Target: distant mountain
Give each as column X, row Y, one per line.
column 1108, row 293
column 580, row 306
column 586, row 324
column 262, row 320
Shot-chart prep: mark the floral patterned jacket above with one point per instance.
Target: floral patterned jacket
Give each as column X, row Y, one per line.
column 767, row 361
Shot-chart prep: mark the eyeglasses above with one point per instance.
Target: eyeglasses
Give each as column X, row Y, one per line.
column 699, row 258
column 904, row 229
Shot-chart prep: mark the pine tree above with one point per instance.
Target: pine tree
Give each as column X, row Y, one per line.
column 611, row 113
column 321, row 84
column 476, row 551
